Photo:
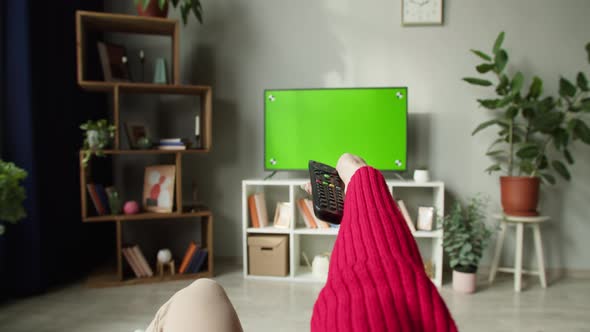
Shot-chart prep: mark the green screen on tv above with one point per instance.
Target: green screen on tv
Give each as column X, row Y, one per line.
column 322, row 124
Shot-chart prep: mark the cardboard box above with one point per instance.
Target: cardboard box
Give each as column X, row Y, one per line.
column 268, row 255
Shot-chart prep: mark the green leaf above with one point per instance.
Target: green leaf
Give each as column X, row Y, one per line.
column 196, row 6
column 483, row 126
column 490, row 104
column 585, row 104
column 582, row 131
column 547, row 122
column 484, row 68
column 498, row 43
column 136, row 2
column 477, row 81
column 526, row 167
column 482, row 55
column 146, row 3
column 162, row 3
column 536, row 88
column 568, row 156
column 544, row 163
column 493, row 168
column 503, row 85
column 185, row 9
column 511, row 112
column 566, row 88
column 528, row 152
column 560, row 138
column 504, row 102
column 501, row 60
column 517, row 83
column 495, row 153
column 548, row 177
column 588, row 51
column 175, row 3
column 582, row 82
column 561, row 169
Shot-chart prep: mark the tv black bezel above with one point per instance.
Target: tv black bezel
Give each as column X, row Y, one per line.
column 348, row 88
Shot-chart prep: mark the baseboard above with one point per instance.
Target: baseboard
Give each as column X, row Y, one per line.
column 552, row 273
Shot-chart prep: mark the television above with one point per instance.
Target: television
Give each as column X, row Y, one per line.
column 322, row 124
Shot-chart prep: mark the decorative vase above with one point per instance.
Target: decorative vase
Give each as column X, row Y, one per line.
column 144, row 143
column 464, row 282
column 153, row 9
column 160, row 76
column 115, row 202
column 320, row 266
column 520, row 195
column 131, row 207
column 421, row 175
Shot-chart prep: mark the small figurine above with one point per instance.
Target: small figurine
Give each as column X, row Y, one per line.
column 142, row 61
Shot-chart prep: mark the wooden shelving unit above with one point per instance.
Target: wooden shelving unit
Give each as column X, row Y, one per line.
column 106, row 22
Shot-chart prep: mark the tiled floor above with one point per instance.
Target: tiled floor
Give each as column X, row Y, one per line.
column 284, row 306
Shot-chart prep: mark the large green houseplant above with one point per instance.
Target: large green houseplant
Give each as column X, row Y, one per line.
column 535, row 131
column 159, row 8
column 12, row 193
column 466, row 236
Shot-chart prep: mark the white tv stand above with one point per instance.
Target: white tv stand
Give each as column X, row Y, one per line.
column 315, row 241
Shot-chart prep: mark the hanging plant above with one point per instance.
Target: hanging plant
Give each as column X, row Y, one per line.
column 98, row 135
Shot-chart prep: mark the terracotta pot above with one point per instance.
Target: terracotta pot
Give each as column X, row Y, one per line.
column 520, row 195
column 153, row 10
column 464, row 282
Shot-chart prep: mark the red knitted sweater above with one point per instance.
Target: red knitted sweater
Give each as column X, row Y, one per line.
column 376, row 280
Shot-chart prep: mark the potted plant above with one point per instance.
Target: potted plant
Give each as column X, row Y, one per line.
column 465, row 237
column 159, row 8
column 98, row 135
column 535, row 132
column 12, row 193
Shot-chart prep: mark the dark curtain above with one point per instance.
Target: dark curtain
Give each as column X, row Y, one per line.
column 42, row 108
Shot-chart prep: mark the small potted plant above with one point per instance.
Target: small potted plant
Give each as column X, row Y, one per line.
column 98, row 135
column 535, row 132
column 159, row 8
column 12, row 193
column 465, row 237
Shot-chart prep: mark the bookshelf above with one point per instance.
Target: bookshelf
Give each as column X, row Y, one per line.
column 316, row 241
column 93, row 22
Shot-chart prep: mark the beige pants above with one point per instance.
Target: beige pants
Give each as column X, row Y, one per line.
column 202, row 306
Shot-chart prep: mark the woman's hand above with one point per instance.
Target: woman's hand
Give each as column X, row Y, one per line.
column 347, row 165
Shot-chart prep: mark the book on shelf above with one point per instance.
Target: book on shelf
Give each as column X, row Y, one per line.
column 132, row 263
column 197, row 261
column 171, row 141
column 100, row 209
column 318, row 221
column 258, row 212
column 308, row 217
column 406, row 215
column 104, row 199
column 188, row 256
column 172, row 147
column 145, row 267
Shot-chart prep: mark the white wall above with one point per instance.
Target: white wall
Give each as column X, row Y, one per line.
column 247, row 46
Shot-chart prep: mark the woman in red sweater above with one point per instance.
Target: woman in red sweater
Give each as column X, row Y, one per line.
column 376, row 280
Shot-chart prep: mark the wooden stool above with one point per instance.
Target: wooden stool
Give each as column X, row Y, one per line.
column 162, row 267
column 519, row 222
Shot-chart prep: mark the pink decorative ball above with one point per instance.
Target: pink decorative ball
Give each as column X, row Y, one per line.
column 131, row 207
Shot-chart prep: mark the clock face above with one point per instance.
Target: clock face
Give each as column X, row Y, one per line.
column 421, row 12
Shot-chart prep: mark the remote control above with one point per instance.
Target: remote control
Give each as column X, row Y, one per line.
column 328, row 192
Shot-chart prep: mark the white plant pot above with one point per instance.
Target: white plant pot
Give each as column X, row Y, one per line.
column 421, row 175
column 464, row 282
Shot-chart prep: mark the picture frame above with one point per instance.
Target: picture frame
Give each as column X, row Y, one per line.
column 283, row 213
column 158, row 188
column 114, row 61
column 425, row 218
column 422, row 12
column 134, row 132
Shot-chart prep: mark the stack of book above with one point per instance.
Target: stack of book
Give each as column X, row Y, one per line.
column 311, row 221
column 137, row 261
column 172, row 144
column 258, row 212
column 99, row 198
column 194, row 259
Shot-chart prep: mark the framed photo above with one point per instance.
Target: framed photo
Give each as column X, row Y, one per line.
column 134, row 132
column 283, row 215
column 158, row 188
column 114, row 61
column 422, row 12
column 425, row 218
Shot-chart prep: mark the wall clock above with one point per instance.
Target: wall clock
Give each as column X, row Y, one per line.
column 422, row 12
